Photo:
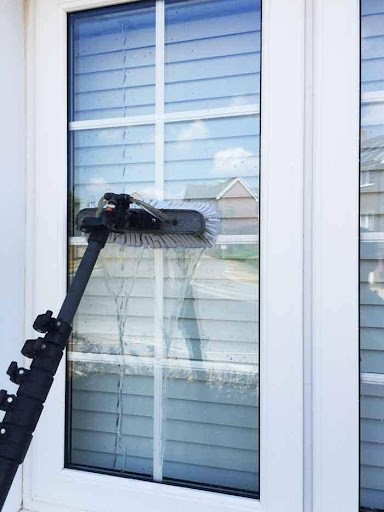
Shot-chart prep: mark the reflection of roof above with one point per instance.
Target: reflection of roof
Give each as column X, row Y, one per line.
column 217, row 190
column 372, row 154
column 231, row 184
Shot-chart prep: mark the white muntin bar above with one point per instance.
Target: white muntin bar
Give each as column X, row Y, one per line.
column 159, row 139
column 130, row 361
column 171, row 117
column 158, row 367
column 158, row 253
column 114, row 122
column 220, row 240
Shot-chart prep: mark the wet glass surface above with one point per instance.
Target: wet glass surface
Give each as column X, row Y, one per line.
column 163, row 362
column 112, row 417
column 372, row 255
column 212, row 54
column 113, row 62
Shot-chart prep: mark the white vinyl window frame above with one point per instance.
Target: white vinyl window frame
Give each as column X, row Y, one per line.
column 332, row 270
column 48, row 486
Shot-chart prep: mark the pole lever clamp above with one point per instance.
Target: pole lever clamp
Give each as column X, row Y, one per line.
column 44, row 322
column 6, row 400
column 32, row 347
column 17, row 375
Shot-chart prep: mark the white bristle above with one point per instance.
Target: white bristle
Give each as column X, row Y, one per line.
column 156, row 241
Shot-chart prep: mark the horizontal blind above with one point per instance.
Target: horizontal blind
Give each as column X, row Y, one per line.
column 372, row 255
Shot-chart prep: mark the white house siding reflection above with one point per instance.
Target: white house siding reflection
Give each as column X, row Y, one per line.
column 372, row 256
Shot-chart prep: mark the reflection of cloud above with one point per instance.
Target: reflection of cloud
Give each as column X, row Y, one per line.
column 195, row 130
column 97, row 180
column 109, row 135
column 234, row 161
column 238, row 101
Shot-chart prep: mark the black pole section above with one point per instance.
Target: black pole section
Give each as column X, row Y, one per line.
column 23, row 410
column 79, row 283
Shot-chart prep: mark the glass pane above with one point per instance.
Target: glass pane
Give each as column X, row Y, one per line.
column 213, row 159
column 372, row 255
column 120, row 160
column 211, row 305
column 211, row 302
column 111, row 349
column 212, row 54
column 112, row 430
column 116, row 314
column 163, row 362
column 211, row 428
column 113, row 62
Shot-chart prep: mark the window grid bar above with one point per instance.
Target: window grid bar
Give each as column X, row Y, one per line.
column 172, row 117
column 158, row 255
column 173, row 364
column 158, row 367
column 220, row 240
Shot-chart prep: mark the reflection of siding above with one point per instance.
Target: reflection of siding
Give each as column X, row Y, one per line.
column 210, row 429
column 115, row 73
column 218, row 316
column 239, row 211
column 106, row 433
column 116, row 313
column 216, row 311
column 371, row 307
column 372, row 254
column 208, row 64
column 372, row 445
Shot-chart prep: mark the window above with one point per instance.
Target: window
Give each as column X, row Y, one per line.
column 154, row 356
column 163, row 366
column 372, row 257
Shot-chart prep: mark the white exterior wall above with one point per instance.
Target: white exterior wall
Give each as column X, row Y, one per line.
column 12, row 225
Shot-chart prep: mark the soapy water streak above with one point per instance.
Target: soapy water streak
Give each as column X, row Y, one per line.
column 187, row 262
column 121, row 296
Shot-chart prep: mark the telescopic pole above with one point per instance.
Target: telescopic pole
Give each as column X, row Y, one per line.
column 23, row 410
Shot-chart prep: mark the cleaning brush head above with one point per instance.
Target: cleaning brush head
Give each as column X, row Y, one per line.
column 151, row 223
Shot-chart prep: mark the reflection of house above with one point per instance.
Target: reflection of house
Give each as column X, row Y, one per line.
column 372, row 184
column 237, row 203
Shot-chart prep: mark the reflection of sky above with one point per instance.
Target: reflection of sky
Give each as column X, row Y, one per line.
column 210, row 151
